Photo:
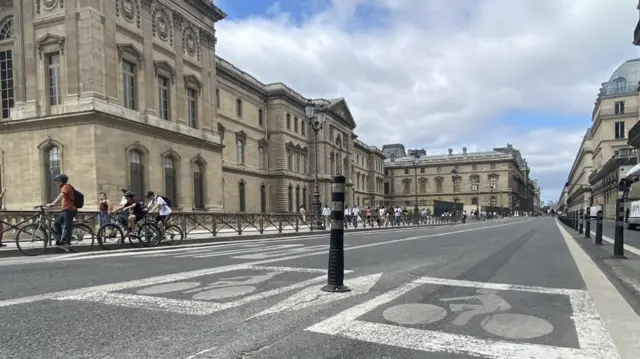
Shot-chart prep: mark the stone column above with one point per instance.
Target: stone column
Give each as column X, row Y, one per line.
column 71, row 52
column 112, row 58
column 90, row 31
column 207, row 77
column 25, row 57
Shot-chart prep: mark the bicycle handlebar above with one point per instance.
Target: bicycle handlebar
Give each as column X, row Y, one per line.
column 40, row 207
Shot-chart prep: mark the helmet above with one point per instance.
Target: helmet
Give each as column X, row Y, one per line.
column 129, row 194
column 62, row 178
column 150, row 194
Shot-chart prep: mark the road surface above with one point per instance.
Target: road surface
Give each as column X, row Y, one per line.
column 498, row 289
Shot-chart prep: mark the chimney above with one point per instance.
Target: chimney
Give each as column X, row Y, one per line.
column 464, row 151
column 450, row 151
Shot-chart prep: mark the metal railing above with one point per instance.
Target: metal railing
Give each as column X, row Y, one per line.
column 634, row 132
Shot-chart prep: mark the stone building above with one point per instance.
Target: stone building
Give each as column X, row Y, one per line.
column 496, row 181
column 130, row 93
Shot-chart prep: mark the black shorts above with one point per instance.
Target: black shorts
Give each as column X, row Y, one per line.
column 160, row 218
column 139, row 216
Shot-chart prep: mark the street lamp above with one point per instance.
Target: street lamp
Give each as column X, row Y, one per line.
column 454, row 176
column 477, row 184
column 414, row 161
column 316, row 119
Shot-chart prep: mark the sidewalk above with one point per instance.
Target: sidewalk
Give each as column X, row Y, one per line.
column 624, row 274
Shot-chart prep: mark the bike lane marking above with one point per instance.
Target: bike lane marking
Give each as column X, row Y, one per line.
column 593, row 338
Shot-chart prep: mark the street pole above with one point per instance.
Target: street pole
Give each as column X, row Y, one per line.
column 316, row 125
column 599, row 216
column 618, row 243
column 587, row 223
column 581, row 221
column 335, row 278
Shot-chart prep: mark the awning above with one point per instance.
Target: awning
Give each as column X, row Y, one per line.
column 633, row 172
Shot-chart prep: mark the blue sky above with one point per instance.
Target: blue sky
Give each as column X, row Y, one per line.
column 434, row 74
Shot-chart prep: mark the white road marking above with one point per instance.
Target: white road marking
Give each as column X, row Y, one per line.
column 592, row 336
column 209, row 253
column 622, row 322
column 280, row 253
column 627, row 247
column 200, row 353
column 312, row 296
column 208, row 271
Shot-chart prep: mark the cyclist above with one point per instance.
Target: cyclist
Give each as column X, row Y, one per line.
column 158, row 202
column 63, row 224
column 135, row 209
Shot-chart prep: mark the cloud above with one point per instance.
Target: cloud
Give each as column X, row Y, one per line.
column 438, row 74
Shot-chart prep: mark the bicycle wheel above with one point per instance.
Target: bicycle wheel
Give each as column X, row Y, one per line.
column 82, row 238
column 110, row 236
column 173, row 235
column 149, row 234
column 32, row 239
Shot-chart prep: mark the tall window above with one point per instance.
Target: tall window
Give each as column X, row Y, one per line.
column 262, row 158
column 386, row 188
column 240, row 151
column 331, row 163
column 170, row 179
column 288, row 121
column 136, row 173
column 423, row 185
column 129, row 85
column 198, row 185
column 260, row 118
column 297, row 197
column 475, row 183
column 303, row 129
column 304, row 163
column 295, row 124
column 263, row 198
column 218, row 98
column 619, row 130
column 456, row 184
column 304, row 197
column 439, row 182
column 239, row 107
column 192, row 99
column 241, row 196
column 297, row 163
column 6, row 81
column 163, row 97
column 493, row 182
column 406, row 185
column 619, row 107
column 474, row 201
column 52, row 169
column 53, row 79
column 493, row 201
column 289, row 160
column 290, row 198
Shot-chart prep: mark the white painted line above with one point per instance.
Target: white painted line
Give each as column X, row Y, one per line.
column 200, row 353
column 211, row 253
column 208, row 271
column 280, row 253
column 497, row 286
column 619, row 318
column 292, row 269
column 181, row 306
column 312, row 296
column 627, row 247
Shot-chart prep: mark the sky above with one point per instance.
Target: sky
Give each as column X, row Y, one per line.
column 437, row 74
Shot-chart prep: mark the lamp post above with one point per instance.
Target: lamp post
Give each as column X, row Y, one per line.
column 454, row 176
column 414, row 161
column 477, row 184
column 316, row 119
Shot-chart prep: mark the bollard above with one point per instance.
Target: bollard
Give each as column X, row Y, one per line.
column 587, row 224
column 336, row 244
column 581, row 221
column 618, row 240
column 599, row 220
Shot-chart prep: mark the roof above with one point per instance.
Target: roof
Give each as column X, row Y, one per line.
column 445, row 158
column 624, row 79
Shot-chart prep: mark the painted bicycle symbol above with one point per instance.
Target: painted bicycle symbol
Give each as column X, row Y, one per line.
column 488, row 304
column 222, row 289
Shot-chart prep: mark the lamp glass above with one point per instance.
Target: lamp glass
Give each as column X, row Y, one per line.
column 309, row 109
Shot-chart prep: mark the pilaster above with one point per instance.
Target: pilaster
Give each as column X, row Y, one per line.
column 71, row 52
column 179, row 111
column 148, row 106
column 91, row 58
column 111, row 61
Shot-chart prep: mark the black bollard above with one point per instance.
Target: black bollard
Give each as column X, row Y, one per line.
column 599, row 217
column 618, row 240
column 335, row 281
column 587, row 223
column 581, row 221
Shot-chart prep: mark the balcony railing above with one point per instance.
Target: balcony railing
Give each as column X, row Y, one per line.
column 613, row 112
column 622, row 157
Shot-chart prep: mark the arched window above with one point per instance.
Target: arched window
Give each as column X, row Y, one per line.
column 136, row 173
column 198, row 185
column 52, row 167
column 290, row 199
column 170, row 180
column 406, row 183
column 474, row 201
column 6, row 70
column 241, row 196
column 297, row 197
column 263, row 198
column 6, row 31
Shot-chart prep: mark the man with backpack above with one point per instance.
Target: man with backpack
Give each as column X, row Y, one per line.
column 162, row 203
column 71, row 201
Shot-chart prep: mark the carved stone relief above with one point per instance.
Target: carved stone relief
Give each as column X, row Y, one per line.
column 129, row 10
column 48, row 5
column 190, row 42
column 162, row 27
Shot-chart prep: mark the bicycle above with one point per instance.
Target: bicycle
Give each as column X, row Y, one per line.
column 172, row 231
column 82, row 236
column 120, row 229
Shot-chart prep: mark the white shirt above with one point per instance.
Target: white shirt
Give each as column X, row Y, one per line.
column 326, row 211
column 123, row 201
column 164, row 209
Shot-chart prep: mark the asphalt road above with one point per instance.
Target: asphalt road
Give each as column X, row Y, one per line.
column 631, row 236
column 497, row 289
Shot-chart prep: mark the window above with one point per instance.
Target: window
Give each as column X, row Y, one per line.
column 136, row 173
column 6, row 32
column 439, row 182
column 242, row 204
column 297, row 197
column 129, row 85
column 297, row 169
column 423, row 185
column 290, row 199
column 493, row 166
column 192, row 99
column 239, row 107
column 295, row 124
column 439, row 169
column 331, row 162
column 421, row 169
column 406, row 171
column 386, row 188
column 262, row 158
column 303, row 128
column 406, row 183
column 52, row 169
column 53, row 79
column 240, row 150
column 260, row 118
column 386, row 172
column 456, row 184
column 289, row 160
column 474, row 201
column 619, row 130
column 475, row 183
column 493, row 182
column 304, row 163
column 198, row 185
column 218, row 98
column 474, row 167
column 170, row 179
column 263, row 198
column 6, row 80
column 163, row 97
column 288, row 121
column 493, row 201
column 619, row 107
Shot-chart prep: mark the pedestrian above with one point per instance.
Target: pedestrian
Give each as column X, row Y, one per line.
column 104, row 207
column 2, row 193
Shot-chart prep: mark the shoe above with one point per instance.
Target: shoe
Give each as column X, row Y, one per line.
column 2, row 244
column 66, row 247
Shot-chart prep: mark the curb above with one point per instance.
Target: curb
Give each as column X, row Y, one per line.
column 96, row 249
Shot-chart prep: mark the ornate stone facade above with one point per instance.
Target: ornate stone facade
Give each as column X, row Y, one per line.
column 132, row 94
